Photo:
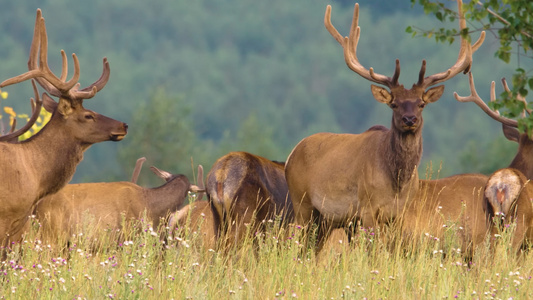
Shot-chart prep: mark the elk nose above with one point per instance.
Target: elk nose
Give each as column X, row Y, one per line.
column 409, row 120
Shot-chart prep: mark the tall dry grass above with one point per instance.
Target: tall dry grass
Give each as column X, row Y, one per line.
column 139, row 264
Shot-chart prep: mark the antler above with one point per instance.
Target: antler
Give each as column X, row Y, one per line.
column 36, row 110
column 137, row 169
column 464, row 60
column 349, row 44
column 350, row 57
column 200, row 188
column 39, row 69
column 474, row 97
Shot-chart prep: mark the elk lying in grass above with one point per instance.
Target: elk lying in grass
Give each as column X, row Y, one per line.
column 452, row 203
column 335, row 179
column 244, row 188
column 110, row 205
column 196, row 217
column 44, row 163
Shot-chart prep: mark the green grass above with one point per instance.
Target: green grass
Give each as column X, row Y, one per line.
column 273, row 265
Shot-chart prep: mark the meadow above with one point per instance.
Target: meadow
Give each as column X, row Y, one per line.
column 143, row 264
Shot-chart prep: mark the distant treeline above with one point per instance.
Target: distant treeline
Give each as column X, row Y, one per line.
column 197, row 79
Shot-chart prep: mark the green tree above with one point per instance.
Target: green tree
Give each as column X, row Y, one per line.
column 162, row 131
column 511, row 21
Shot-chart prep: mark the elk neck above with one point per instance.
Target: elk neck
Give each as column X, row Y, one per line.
column 167, row 198
column 56, row 154
column 403, row 155
column 523, row 161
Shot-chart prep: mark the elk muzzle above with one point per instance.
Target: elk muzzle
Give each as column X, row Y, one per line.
column 118, row 135
column 409, row 121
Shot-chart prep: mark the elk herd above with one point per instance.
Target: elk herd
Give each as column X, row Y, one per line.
column 329, row 180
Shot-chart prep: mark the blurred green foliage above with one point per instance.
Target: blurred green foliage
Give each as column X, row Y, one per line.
column 511, row 22
column 197, row 79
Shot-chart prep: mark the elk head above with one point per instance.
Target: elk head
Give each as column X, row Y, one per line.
column 407, row 104
column 82, row 124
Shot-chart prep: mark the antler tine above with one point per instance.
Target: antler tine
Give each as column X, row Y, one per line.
column 474, row 97
column 56, row 86
column 35, row 115
column 518, row 97
column 102, row 81
column 332, row 30
column 464, row 60
column 13, row 126
column 137, row 169
column 350, row 50
column 200, row 181
column 61, row 85
column 41, row 71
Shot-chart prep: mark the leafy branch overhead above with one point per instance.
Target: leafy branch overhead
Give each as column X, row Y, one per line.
column 511, row 22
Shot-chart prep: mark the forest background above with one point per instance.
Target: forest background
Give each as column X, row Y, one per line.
column 197, row 79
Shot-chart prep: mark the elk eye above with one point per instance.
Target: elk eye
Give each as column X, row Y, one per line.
column 393, row 105
column 422, row 105
column 89, row 117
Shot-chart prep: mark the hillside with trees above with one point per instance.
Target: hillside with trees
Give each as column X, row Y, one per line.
column 197, row 79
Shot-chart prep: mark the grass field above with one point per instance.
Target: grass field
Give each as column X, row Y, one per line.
column 272, row 265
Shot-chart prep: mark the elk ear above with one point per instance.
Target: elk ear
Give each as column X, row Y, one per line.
column 48, row 103
column 511, row 133
column 381, row 94
column 433, row 94
column 161, row 174
column 64, row 107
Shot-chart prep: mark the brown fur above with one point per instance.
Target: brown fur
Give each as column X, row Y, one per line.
column 108, row 204
column 507, row 199
column 195, row 217
column 247, row 189
column 523, row 161
column 44, row 163
column 442, row 204
column 335, row 179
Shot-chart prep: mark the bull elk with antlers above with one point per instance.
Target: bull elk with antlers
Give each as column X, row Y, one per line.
column 475, row 201
column 244, row 188
column 44, row 163
column 508, row 193
column 367, row 177
column 109, row 204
